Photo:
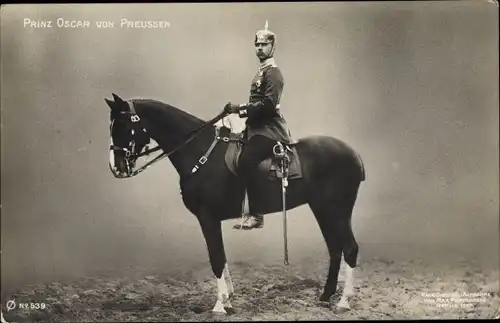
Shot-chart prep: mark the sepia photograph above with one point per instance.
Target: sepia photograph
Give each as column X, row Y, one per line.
column 250, row 161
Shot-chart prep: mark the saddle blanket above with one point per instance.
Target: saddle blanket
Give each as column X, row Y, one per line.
column 269, row 166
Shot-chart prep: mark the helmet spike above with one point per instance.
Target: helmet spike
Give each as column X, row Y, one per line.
column 265, row 36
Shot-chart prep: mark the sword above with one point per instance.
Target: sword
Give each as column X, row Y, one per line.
column 279, row 152
column 284, row 184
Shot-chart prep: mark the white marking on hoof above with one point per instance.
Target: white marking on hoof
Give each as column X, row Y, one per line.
column 348, row 291
column 222, row 290
column 219, row 307
column 349, row 282
column 222, row 296
column 344, row 303
column 229, row 281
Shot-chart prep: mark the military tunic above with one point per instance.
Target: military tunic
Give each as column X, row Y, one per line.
column 262, row 111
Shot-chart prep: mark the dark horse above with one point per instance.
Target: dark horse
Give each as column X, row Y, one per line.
column 331, row 175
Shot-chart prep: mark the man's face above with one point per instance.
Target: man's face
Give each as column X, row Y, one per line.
column 263, row 50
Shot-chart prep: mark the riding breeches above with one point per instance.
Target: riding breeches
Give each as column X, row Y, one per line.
column 255, row 150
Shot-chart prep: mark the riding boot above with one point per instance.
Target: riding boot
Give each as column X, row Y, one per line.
column 249, row 219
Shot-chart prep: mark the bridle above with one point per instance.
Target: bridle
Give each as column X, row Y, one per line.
column 131, row 155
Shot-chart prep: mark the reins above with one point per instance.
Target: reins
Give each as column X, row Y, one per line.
column 192, row 135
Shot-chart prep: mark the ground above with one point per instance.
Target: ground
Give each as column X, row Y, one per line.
column 385, row 290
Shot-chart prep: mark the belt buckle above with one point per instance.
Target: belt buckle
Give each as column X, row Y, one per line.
column 203, row 160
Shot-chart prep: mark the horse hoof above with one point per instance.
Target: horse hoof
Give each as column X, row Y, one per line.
column 196, row 309
column 219, row 308
column 342, row 309
column 230, row 310
column 343, row 305
column 324, row 298
column 219, row 311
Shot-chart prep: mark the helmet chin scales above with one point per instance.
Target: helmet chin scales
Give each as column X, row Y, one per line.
column 265, row 36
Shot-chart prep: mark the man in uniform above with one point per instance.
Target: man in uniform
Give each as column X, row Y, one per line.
column 265, row 125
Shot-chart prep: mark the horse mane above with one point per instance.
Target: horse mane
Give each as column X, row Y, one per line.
column 163, row 107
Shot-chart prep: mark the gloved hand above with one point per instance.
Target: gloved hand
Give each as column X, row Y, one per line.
column 232, row 108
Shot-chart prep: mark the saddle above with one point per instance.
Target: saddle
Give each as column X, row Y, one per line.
column 270, row 167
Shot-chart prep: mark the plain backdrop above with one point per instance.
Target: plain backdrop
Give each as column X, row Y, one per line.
column 412, row 86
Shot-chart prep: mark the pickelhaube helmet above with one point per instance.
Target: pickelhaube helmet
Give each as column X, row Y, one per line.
column 265, row 36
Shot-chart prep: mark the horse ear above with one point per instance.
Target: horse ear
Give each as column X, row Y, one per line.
column 117, row 98
column 110, row 103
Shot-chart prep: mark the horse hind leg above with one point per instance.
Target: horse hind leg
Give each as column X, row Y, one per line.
column 348, row 290
column 350, row 250
column 334, row 247
column 334, row 223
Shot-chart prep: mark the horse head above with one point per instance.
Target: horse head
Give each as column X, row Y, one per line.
column 128, row 137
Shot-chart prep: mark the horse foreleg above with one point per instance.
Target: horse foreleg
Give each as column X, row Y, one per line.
column 212, row 232
column 223, row 301
column 229, row 281
column 225, row 291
